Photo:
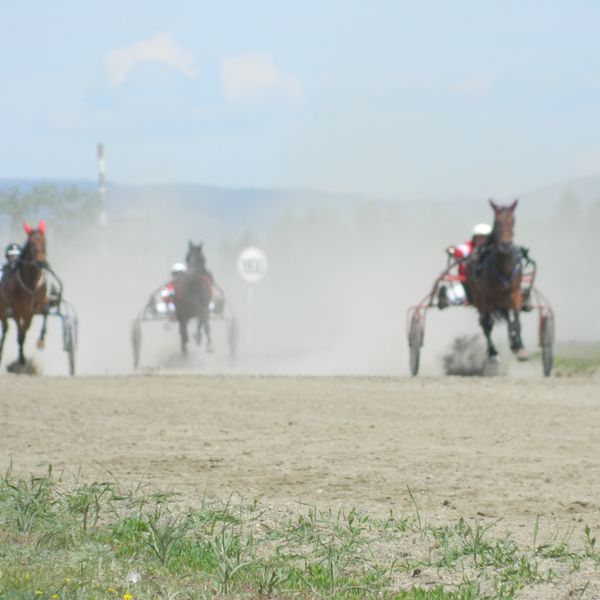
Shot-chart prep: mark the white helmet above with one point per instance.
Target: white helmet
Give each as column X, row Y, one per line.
column 482, row 229
column 177, row 268
column 12, row 251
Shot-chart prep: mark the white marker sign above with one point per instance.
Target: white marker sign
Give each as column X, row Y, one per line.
column 252, row 264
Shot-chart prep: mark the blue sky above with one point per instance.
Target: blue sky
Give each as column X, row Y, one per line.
column 400, row 99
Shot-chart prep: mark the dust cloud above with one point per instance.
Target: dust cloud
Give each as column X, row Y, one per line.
column 466, row 357
column 340, row 280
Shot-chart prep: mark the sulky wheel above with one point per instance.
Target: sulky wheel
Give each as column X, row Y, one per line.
column 136, row 342
column 547, row 341
column 69, row 344
column 415, row 341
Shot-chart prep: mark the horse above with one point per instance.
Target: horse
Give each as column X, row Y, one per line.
column 192, row 298
column 23, row 290
column 493, row 278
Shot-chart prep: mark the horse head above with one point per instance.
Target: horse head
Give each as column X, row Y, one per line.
column 504, row 224
column 35, row 247
column 195, row 259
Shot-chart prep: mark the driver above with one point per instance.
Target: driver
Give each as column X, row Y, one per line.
column 166, row 303
column 11, row 254
column 456, row 294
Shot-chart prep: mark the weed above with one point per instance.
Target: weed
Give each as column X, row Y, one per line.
column 228, row 550
column 416, row 509
column 81, row 542
column 86, row 502
column 163, row 530
column 29, row 500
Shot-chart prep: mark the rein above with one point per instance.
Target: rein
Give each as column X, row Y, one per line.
column 20, row 281
column 46, row 268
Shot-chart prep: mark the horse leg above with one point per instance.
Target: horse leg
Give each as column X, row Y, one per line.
column 40, row 342
column 198, row 336
column 184, row 335
column 514, row 335
column 4, row 331
column 23, row 326
column 209, row 345
column 487, row 323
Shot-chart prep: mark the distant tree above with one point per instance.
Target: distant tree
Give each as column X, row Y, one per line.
column 16, row 206
column 63, row 207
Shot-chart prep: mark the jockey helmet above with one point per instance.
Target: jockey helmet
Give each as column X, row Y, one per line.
column 178, row 268
column 12, row 251
column 482, row 229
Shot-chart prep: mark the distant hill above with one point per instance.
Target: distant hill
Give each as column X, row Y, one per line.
column 232, row 208
column 233, row 211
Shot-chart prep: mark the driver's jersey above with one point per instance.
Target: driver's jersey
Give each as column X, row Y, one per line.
column 462, row 251
column 167, row 293
column 6, row 268
column 172, row 290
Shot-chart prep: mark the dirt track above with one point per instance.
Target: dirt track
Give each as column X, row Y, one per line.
column 493, row 447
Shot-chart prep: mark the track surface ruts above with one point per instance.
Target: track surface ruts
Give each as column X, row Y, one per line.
column 489, row 447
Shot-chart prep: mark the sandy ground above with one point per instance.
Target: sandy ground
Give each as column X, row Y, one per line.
column 489, row 447
column 497, row 450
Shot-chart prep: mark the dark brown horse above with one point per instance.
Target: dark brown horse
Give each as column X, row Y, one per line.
column 494, row 281
column 193, row 297
column 23, row 290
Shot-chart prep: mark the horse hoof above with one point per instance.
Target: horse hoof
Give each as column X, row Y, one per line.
column 522, row 354
column 26, row 368
column 494, row 359
column 40, row 344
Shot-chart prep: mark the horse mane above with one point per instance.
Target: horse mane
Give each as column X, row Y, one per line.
column 26, row 250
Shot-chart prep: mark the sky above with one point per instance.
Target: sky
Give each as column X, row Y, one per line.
column 415, row 100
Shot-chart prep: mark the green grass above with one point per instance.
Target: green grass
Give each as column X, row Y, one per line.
column 575, row 359
column 575, row 366
column 99, row 540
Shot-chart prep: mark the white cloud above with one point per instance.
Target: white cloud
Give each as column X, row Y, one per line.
column 475, row 87
column 160, row 48
column 254, row 75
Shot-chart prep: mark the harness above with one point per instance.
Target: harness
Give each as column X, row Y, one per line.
column 41, row 279
column 504, row 281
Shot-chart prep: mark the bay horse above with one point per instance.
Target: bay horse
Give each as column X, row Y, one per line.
column 192, row 298
column 23, row 290
column 494, row 281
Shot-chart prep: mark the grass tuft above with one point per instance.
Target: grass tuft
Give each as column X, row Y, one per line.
column 100, row 540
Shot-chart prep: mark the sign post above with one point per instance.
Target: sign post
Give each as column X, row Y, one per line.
column 102, row 185
column 252, row 266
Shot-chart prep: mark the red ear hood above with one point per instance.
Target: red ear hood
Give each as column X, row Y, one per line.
column 493, row 205
column 26, row 228
column 514, row 204
column 42, row 226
